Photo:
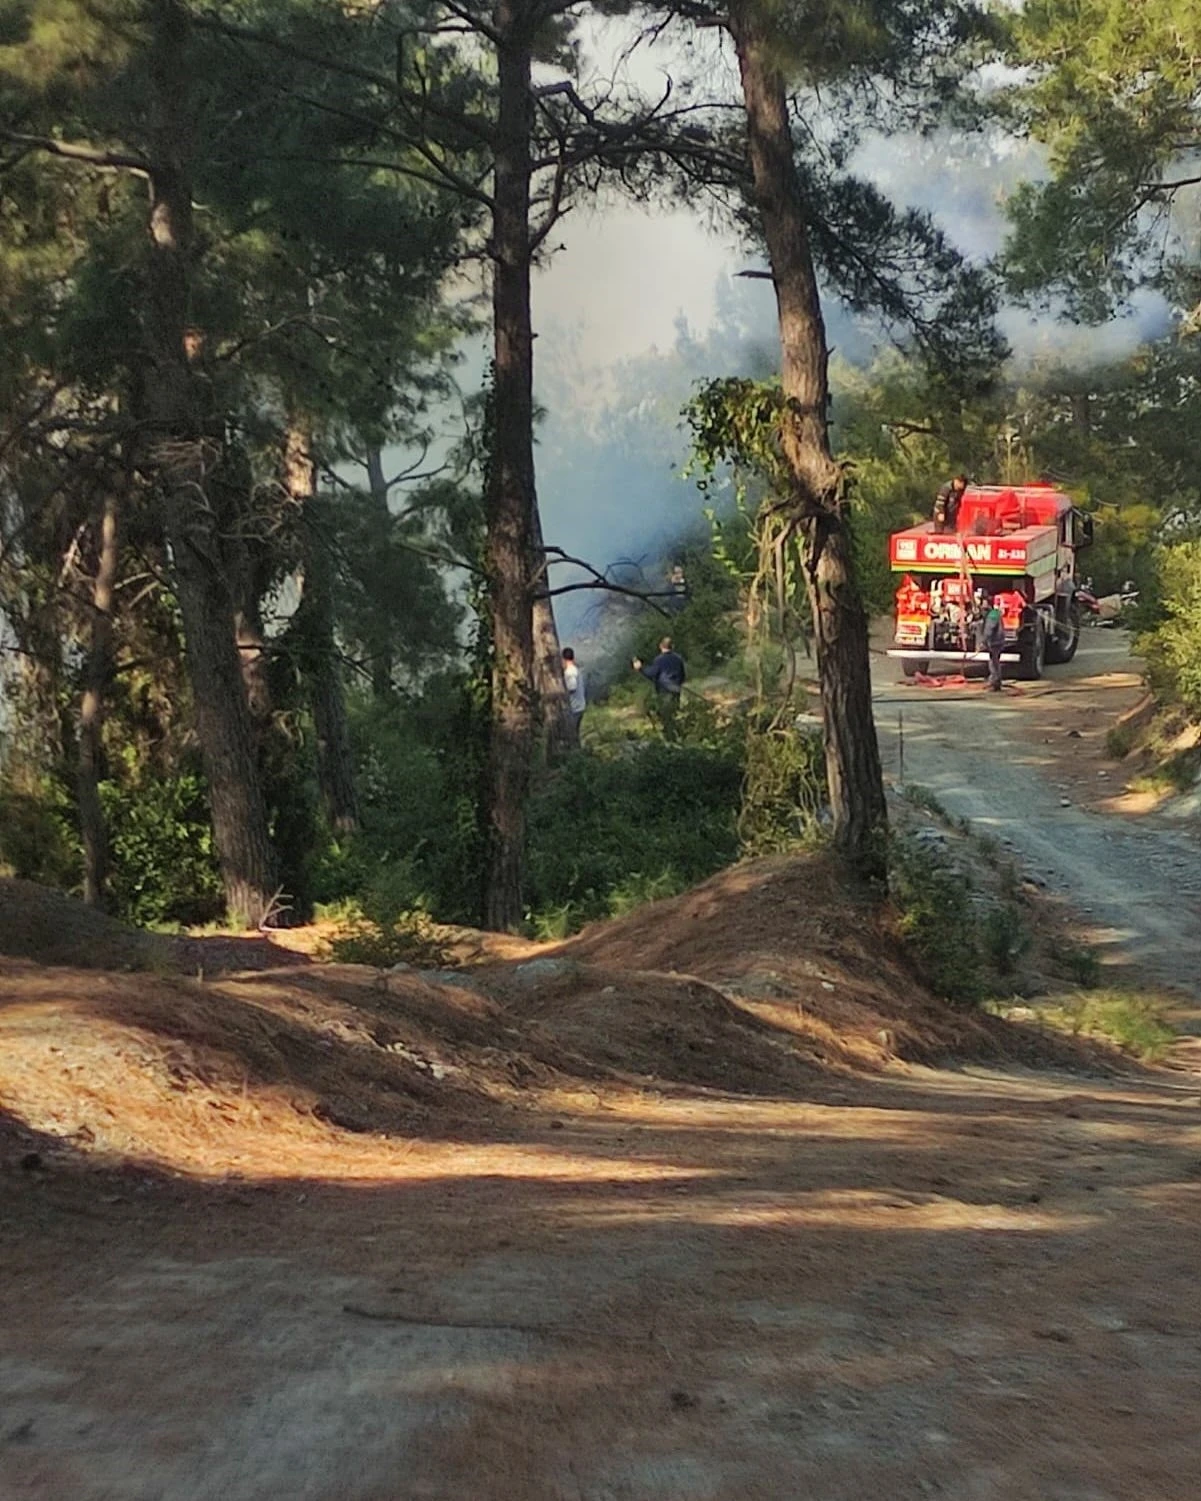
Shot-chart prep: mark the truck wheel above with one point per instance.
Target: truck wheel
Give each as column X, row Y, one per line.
column 1033, row 651
column 1065, row 635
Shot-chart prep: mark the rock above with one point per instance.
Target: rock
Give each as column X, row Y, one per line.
column 447, row 977
column 1065, row 802
column 540, row 971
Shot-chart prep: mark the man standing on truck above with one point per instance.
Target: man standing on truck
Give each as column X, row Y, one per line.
column 992, row 637
column 947, row 503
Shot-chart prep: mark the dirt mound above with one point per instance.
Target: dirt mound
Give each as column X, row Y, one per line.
column 646, row 1026
column 800, row 948
column 39, row 923
column 294, row 1071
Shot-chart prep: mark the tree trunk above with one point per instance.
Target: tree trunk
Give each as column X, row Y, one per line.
column 179, row 460
column 315, row 622
column 510, row 496
column 97, row 668
column 839, row 620
column 382, row 653
column 554, row 706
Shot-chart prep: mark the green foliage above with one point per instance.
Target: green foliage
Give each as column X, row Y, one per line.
column 1110, row 89
column 936, row 916
column 1006, row 937
column 784, row 789
column 1077, row 962
column 1172, row 644
column 605, row 829
column 418, row 840
column 403, row 938
column 1120, row 740
column 637, row 890
column 1134, row 1023
column 164, row 868
column 38, row 837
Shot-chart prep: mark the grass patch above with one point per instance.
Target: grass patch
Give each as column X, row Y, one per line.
column 1120, row 741
column 1134, row 1023
column 408, row 938
column 922, row 797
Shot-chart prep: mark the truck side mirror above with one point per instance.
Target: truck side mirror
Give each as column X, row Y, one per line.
column 1084, row 531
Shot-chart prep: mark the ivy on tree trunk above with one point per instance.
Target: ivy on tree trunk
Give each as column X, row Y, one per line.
column 840, row 626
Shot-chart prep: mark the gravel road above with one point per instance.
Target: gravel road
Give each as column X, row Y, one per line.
column 1135, row 881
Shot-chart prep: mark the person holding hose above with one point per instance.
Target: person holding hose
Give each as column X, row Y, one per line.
column 668, row 674
column 992, row 638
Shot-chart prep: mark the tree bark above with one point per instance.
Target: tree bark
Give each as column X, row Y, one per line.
column 97, row 669
column 315, row 622
column 839, row 620
column 382, row 651
column 178, row 457
column 554, row 706
column 510, row 496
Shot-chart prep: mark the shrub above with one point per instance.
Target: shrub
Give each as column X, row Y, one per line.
column 1006, row 937
column 607, row 825
column 1172, row 642
column 38, row 837
column 936, row 917
column 1078, row 963
column 784, row 790
column 407, row 938
column 164, row 865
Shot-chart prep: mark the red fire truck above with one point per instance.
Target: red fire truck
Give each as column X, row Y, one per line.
column 1012, row 546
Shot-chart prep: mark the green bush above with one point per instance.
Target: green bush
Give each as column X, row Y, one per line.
column 405, row 938
column 1171, row 641
column 38, row 836
column 1006, row 937
column 784, row 790
column 937, row 919
column 163, row 864
column 608, row 825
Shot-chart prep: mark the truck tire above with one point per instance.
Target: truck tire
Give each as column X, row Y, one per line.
column 1065, row 638
column 1033, row 649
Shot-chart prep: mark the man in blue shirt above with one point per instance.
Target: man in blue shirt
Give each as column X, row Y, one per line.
column 668, row 674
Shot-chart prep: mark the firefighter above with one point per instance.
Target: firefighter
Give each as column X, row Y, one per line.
column 947, row 503
column 992, row 637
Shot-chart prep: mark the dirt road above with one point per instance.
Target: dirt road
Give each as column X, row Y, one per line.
column 1006, row 762
column 980, row 1288
column 975, row 1285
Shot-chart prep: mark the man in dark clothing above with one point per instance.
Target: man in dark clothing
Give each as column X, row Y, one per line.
column 992, row 637
column 947, row 503
column 668, row 674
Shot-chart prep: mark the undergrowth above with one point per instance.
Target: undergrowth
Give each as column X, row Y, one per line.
column 936, row 917
column 1134, row 1023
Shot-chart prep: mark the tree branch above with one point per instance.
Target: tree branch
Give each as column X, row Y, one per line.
column 77, row 151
